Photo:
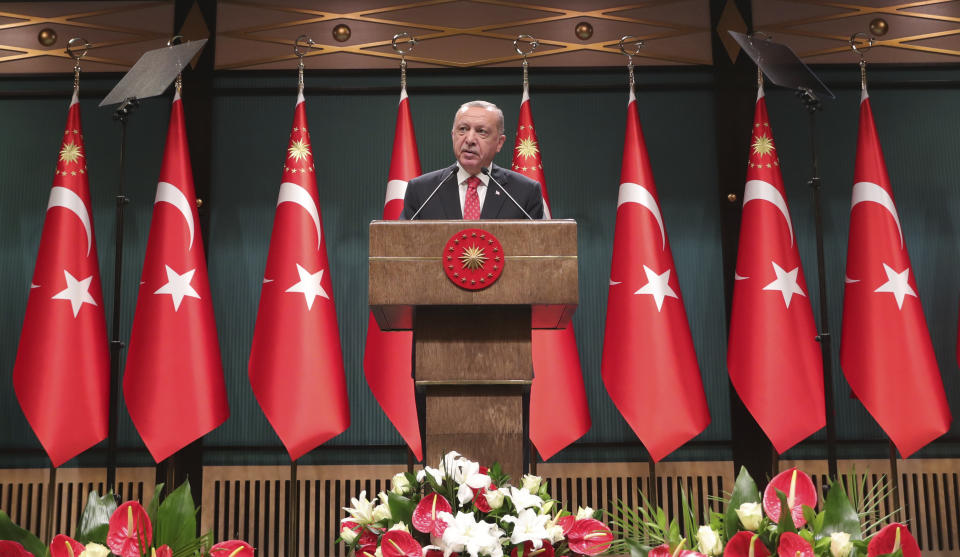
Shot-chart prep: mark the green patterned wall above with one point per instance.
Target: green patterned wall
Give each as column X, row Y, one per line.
column 580, row 123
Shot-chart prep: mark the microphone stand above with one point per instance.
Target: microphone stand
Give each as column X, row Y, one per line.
column 812, row 104
column 120, row 114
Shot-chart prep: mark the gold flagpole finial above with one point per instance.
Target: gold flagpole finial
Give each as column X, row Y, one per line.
column 635, row 44
column 865, row 45
column 766, row 37
column 403, row 38
column 307, row 42
column 533, row 43
column 77, row 55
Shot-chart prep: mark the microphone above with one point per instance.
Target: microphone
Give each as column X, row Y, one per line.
column 486, row 171
column 429, row 197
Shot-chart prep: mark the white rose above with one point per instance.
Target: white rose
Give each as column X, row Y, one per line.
column 381, row 512
column 494, row 499
column 555, row 532
column 840, row 544
column 400, row 526
column 94, row 550
column 347, row 534
column 584, row 512
column 708, row 542
column 531, row 483
column 750, row 515
column 400, row 484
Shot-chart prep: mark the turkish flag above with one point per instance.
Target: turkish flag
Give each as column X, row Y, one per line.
column 559, row 414
column 773, row 357
column 388, row 355
column 62, row 371
column 296, row 364
column 173, row 382
column 885, row 348
column 649, row 365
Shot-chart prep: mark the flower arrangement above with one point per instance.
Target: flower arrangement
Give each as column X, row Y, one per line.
column 462, row 508
column 782, row 522
column 166, row 528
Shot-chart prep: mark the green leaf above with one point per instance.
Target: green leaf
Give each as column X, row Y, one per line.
column 839, row 514
column 176, row 524
column 401, row 508
column 744, row 491
column 12, row 532
column 154, row 505
column 786, row 517
column 637, row 549
column 810, row 516
column 95, row 520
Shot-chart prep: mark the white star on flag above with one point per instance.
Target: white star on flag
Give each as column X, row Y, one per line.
column 897, row 284
column 657, row 286
column 178, row 286
column 309, row 286
column 78, row 292
column 786, row 283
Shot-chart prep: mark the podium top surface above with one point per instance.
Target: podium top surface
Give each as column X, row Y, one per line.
column 399, row 238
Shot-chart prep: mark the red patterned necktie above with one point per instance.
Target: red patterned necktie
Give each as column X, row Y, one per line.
column 471, row 205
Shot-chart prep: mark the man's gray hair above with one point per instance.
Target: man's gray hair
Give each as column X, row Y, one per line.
column 485, row 105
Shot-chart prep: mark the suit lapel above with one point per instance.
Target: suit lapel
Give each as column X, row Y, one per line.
column 450, row 196
column 493, row 201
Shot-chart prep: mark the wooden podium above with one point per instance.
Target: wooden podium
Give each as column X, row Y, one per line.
column 472, row 359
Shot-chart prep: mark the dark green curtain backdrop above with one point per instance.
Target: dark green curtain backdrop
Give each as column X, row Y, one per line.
column 580, row 119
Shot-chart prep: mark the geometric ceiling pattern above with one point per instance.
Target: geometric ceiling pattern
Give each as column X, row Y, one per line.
column 925, row 31
column 119, row 33
column 460, row 33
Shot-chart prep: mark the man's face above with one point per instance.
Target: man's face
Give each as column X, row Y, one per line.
column 476, row 138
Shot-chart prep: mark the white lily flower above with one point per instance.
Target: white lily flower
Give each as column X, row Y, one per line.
column 554, row 532
column 528, row 526
column 451, row 461
column 523, row 499
column 347, row 534
column 400, row 484
column 400, row 526
column 381, row 512
column 584, row 512
column 437, row 474
column 362, row 509
column 464, row 533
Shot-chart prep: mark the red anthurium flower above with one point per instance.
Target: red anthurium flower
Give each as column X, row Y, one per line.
column 399, row 543
column 799, row 490
column 660, row 551
column 130, row 530
column 745, row 544
column 162, row 551
column 433, row 553
column 546, row 550
column 792, row 545
column 232, row 548
column 65, row 546
column 589, row 536
column 891, row 538
column 664, row 551
column 9, row 548
column 369, row 552
column 426, row 517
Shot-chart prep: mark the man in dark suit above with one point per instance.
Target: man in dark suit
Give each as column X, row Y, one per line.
column 473, row 187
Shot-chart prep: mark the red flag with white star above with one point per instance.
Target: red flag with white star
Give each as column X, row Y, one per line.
column 388, row 355
column 649, row 364
column 559, row 414
column 773, row 357
column 296, row 363
column 62, row 371
column 885, row 348
column 173, row 383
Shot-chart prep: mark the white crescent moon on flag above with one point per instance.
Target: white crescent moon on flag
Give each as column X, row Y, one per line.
column 69, row 200
column 868, row 191
column 395, row 190
column 169, row 193
column 758, row 190
column 635, row 193
column 292, row 193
